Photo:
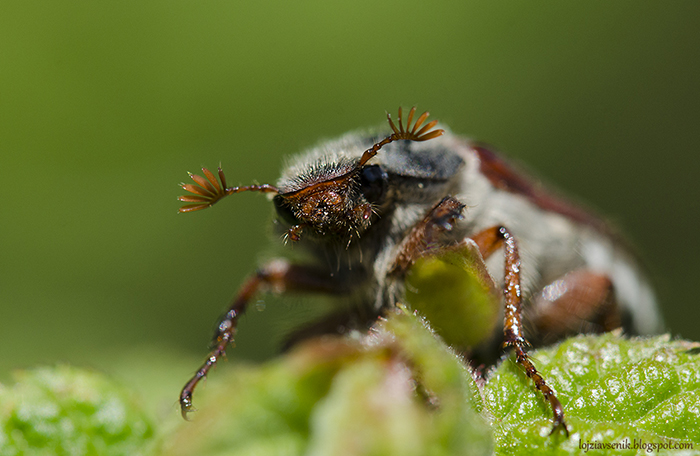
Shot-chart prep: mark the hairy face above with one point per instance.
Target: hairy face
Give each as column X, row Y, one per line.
column 339, row 205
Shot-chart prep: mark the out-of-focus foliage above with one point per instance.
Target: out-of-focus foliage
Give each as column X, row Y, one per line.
column 456, row 295
column 64, row 411
column 397, row 391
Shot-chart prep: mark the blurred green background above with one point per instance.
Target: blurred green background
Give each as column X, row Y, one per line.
column 104, row 106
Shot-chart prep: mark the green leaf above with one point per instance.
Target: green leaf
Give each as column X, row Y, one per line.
column 67, row 411
column 456, row 294
column 614, row 390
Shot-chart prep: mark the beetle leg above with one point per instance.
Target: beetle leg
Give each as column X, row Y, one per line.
column 423, row 236
column 489, row 241
column 581, row 301
column 278, row 275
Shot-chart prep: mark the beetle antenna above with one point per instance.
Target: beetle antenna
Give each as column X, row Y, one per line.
column 208, row 191
column 409, row 133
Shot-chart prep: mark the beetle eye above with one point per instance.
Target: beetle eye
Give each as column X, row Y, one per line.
column 284, row 211
column 373, row 183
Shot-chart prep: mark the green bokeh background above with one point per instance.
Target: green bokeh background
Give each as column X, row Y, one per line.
column 104, row 106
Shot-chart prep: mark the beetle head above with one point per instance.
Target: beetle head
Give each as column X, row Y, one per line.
column 330, row 199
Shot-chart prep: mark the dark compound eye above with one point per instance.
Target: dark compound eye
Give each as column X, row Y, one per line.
column 284, row 211
column 373, row 183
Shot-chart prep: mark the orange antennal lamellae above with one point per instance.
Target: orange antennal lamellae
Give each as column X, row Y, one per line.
column 208, row 191
column 409, row 133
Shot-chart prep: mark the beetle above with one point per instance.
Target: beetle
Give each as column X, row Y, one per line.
column 382, row 204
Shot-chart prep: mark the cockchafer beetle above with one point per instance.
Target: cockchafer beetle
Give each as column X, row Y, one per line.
column 381, row 204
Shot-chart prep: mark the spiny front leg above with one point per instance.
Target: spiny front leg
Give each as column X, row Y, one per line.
column 278, row 275
column 489, row 241
column 424, row 235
